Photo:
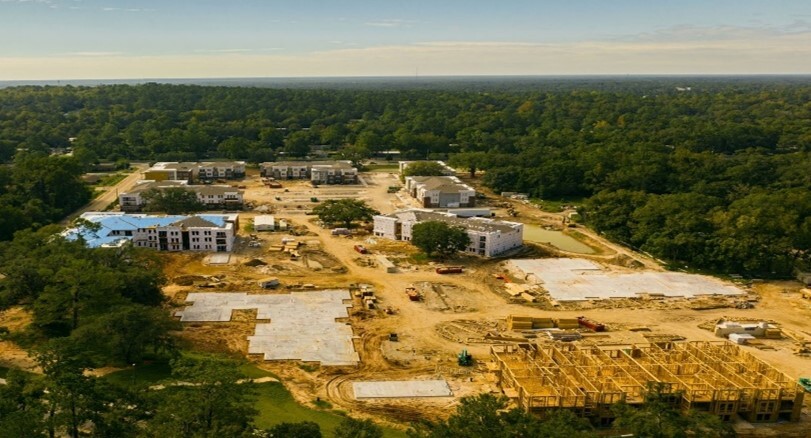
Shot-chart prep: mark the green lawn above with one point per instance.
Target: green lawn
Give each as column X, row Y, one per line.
column 274, row 402
column 394, row 167
column 556, row 206
column 112, row 179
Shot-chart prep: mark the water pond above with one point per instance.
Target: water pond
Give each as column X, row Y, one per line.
column 557, row 239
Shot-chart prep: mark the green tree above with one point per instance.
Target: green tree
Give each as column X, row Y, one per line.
column 304, row 429
column 424, row 168
column 439, row 238
column 21, row 409
column 297, row 144
column 659, row 418
column 172, row 200
column 344, row 211
column 487, row 416
column 353, row 428
column 211, row 402
column 126, row 333
column 472, row 161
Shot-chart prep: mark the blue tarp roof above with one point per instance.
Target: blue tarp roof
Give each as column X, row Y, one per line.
column 111, row 223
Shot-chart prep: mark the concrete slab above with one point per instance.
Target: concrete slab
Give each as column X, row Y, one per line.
column 402, row 389
column 579, row 280
column 302, row 325
column 218, row 259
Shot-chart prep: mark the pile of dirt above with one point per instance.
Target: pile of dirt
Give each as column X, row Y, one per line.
column 255, row 262
column 188, row 280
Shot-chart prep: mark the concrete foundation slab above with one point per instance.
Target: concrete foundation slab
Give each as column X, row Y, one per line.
column 218, row 259
column 580, row 280
column 302, row 325
column 402, row 389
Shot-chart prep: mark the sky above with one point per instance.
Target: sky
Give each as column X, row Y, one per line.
column 133, row 39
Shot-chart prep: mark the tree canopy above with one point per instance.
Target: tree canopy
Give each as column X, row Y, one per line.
column 487, row 416
column 439, row 238
column 424, row 168
column 172, row 200
column 344, row 211
column 728, row 143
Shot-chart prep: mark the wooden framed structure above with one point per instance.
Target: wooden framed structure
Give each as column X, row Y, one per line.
column 716, row 377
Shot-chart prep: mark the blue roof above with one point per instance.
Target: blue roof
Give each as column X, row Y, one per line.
column 112, row 222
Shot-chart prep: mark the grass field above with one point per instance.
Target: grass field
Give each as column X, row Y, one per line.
column 112, row 179
column 273, row 401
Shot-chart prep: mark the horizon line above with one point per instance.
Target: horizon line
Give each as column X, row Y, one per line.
column 416, row 78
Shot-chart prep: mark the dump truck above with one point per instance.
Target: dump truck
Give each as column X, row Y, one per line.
column 450, row 270
column 361, row 249
column 412, row 293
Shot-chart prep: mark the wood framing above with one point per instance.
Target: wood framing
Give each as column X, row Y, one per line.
column 716, row 377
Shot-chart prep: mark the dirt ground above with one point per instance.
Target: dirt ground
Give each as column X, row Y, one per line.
column 12, row 355
column 464, row 311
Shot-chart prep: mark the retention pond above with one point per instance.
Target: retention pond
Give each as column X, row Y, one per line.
column 558, row 239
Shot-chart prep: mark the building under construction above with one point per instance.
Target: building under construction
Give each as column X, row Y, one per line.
column 716, row 377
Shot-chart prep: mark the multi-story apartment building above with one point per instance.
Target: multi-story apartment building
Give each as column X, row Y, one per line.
column 202, row 232
column 441, row 191
column 211, row 196
column 165, row 171
column 320, row 172
column 221, row 170
column 488, row 237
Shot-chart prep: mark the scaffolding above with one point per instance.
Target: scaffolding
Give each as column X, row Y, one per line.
column 715, row 377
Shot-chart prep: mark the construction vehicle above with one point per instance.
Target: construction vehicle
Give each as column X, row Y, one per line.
column 413, row 295
column 805, row 382
column 464, row 359
column 361, row 249
column 450, row 270
column 589, row 324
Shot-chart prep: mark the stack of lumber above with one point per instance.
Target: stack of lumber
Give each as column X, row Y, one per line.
column 567, row 323
column 520, row 323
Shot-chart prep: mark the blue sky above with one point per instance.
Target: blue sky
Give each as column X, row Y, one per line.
column 66, row 39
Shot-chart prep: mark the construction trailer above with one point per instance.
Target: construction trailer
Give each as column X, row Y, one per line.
column 715, row 377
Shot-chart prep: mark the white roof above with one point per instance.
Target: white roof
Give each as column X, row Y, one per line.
column 264, row 219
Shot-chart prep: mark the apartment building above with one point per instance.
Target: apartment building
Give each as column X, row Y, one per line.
column 176, row 171
column 441, row 192
column 488, row 237
column 320, row 172
column 221, row 170
column 201, row 232
column 214, row 197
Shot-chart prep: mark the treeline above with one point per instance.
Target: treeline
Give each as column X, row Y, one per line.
column 712, row 174
column 105, row 301
column 37, row 190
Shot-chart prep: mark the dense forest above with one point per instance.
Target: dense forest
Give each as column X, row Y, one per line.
column 713, row 175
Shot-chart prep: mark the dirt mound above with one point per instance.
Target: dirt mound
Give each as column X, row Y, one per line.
column 255, row 262
column 188, row 280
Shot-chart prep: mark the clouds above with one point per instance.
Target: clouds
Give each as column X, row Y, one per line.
column 773, row 53
column 108, row 40
column 391, row 23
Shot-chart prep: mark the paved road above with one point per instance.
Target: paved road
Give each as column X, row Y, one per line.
column 102, row 201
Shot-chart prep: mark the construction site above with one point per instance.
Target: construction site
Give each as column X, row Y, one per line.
column 370, row 326
column 715, row 377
